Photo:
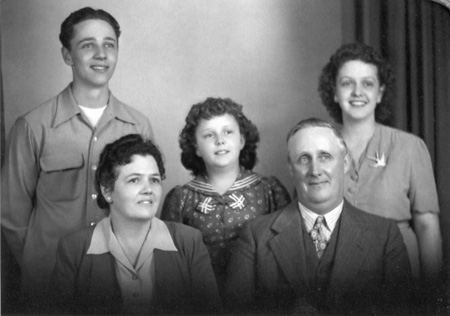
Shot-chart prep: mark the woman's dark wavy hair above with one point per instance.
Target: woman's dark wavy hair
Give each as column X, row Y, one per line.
column 119, row 153
column 365, row 53
column 206, row 110
column 81, row 15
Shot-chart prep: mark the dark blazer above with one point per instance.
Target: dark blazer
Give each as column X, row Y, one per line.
column 370, row 274
column 87, row 284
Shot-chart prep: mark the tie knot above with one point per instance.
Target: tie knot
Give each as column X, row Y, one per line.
column 320, row 220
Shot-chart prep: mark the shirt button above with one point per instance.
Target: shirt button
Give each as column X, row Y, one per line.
column 354, row 177
column 351, row 190
column 95, row 138
column 135, row 294
column 134, row 277
column 94, row 196
column 94, row 167
column 92, row 223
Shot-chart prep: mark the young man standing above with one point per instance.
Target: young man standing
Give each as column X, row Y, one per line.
column 52, row 151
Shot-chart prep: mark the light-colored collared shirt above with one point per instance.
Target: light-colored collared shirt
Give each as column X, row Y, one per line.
column 48, row 178
column 331, row 218
column 136, row 283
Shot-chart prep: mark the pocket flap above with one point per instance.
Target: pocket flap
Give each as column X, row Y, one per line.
column 61, row 162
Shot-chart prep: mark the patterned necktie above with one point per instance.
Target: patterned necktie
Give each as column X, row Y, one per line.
column 318, row 236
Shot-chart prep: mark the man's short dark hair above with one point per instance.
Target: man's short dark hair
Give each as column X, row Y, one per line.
column 81, row 15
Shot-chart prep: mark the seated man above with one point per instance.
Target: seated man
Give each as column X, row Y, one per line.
column 320, row 254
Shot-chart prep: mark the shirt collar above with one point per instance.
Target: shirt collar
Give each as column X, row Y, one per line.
column 159, row 237
column 331, row 218
column 67, row 108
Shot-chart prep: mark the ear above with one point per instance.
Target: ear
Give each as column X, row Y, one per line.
column 381, row 94
column 106, row 193
column 242, row 142
column 289, row 165
column 347, row 162
column 197, row 152
column 66, row 56
column 335, row 99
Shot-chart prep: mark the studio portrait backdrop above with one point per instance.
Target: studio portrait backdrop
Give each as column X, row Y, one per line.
column 264, row 54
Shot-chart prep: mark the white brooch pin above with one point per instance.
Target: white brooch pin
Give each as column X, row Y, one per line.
column 380, row 162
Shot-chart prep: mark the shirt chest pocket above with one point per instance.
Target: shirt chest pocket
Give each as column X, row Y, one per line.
column 62, row 177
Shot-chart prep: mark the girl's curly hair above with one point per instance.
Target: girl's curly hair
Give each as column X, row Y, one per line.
column 349, row 52
column 206, row 110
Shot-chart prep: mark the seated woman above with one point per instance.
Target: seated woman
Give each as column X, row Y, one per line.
column 131, row 262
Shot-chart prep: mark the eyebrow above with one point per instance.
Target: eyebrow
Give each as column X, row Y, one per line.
column 88, row 39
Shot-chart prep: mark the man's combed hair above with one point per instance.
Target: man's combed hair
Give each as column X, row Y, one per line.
column 207, row 110
column 316, row 122
column 119, row 153
column 364, row 53
column 81, row 15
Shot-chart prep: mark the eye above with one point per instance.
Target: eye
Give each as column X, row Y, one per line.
column 345, row 83
column 209, row 135
column 87, row 45
column 368, row 84
column 229, row 131
column 110, row 45
column 303, row 160
column 324, row 157
column 133, row 180
column 155, row 180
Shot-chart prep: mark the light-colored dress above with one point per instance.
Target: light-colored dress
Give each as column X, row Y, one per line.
column 220, row 218
column 394, row 178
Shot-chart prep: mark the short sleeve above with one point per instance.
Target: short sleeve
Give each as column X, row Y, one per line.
column 422, row 193
column 173, row 205
column 280, row 196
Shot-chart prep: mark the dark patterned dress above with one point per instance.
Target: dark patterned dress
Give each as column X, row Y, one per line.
column 220, row 218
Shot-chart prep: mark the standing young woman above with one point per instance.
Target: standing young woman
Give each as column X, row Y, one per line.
column 391, row 174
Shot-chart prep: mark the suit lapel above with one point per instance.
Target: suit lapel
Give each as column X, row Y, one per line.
column 287, row 246
column 351, row 251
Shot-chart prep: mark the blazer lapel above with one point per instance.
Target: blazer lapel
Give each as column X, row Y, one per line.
column 287, row 246
column 351, row 251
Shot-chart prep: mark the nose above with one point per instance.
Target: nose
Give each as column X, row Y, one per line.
column 220, row 140
column 315, row 169
column 356, row 90
column 147, row 189
column 100, row 53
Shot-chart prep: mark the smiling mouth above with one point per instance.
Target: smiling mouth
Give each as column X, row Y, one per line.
column 317, row 183
column 100, row 68
column 145, row 202
column 221, row 152
column 357, row 104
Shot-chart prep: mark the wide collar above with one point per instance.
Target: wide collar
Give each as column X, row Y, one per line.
column 245, row 180
column 104, row 240
column 67, row 108
column 287, row 246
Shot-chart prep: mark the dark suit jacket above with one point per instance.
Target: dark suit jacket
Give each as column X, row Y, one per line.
column 87, row 284
column 371, row 271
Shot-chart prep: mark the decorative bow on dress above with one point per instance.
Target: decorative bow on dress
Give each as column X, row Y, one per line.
column 208, row 204
column 380, row 161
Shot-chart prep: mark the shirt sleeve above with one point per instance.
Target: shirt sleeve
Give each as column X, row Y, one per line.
column 173, row 206
column 63, row 277
column 19, row 179
column 280, row 197
column 422, row 192
column 148, row 130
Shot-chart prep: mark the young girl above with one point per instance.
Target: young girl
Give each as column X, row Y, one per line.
column 218, row 145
